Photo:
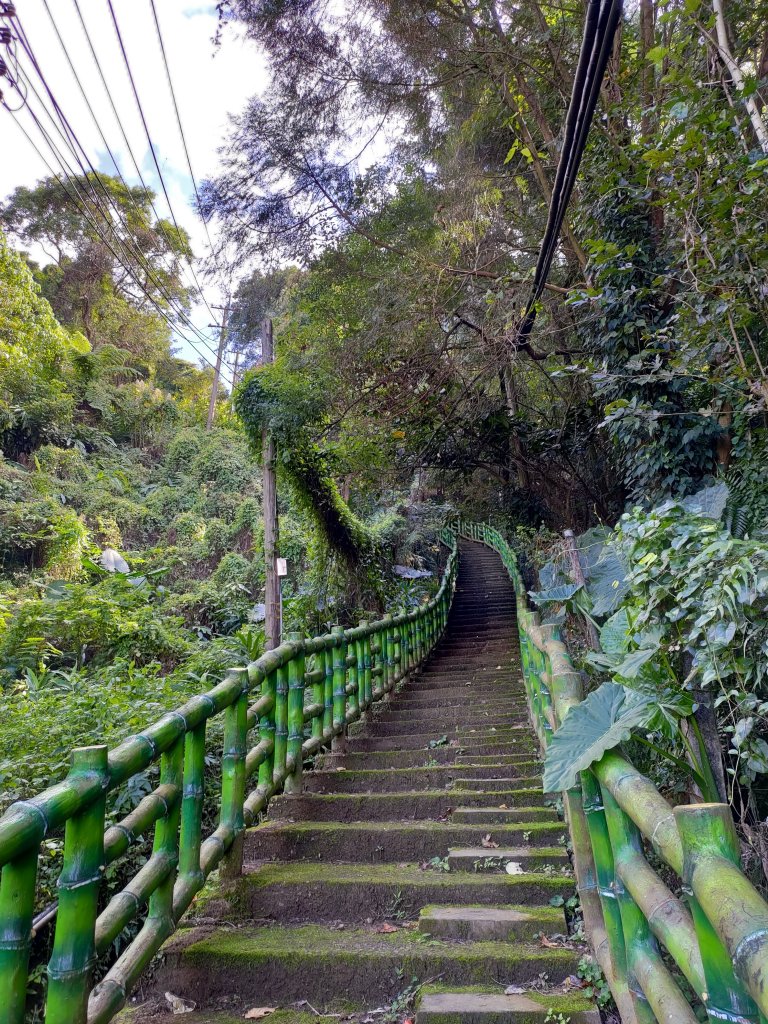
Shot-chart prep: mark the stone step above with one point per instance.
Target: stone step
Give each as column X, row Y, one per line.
column 527, row 858
column 418, row 757
column 525, row 774
column 519, row 739
column 493, row 815
column 464, row 697
column 386, row 842
column 356, row 893
column 406, row 724
column 405, row 806
column 478, row 1005
column 469, row 712
column 276, row 965
column 502, row 924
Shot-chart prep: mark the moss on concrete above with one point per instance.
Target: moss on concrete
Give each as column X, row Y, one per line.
column 303, row 872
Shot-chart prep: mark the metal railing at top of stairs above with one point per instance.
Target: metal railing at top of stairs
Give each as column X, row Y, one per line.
column 341, row 674
column 716, row 932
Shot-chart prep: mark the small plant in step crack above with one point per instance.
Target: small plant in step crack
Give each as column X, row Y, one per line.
column 527, row 837
column 595, row 985
column 441, row 741
column 488, row 864
column 436, row 864
column 395, row 908
column 431, row 763
column 556, row 1018
column 402, row 1002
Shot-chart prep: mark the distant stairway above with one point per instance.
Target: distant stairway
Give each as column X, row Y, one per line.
column 421, row 860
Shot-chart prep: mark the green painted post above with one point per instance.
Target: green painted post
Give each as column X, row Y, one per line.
column 354, row 676
column 709, row 841
column 364, row 668
column 397, row 651
column 281, row 724
column 318, row 695
column 17, row 905
column 419, row 633
column 328, row 691
column 191, row 876
column 388, row 650
column 296, row 670
column 339, row 677
column 74, row 948
column 233, row 778
column 166, row 839
column 405, row 648
column 267, row 735
column 604, row 869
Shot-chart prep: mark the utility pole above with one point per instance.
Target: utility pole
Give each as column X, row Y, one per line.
column 269, row 503
column 219, row 359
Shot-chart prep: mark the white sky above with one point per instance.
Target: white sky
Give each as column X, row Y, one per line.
column 209, row 85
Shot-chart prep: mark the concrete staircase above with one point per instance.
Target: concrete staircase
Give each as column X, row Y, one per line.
column 421, row 860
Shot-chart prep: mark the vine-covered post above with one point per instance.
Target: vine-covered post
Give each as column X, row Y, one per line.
column 296, row 669
column 339, row 649
column 710, row 843
column 71, row 963
column 281, row 723
column 233, row 777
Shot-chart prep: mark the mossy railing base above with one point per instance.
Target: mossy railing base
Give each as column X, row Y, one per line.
column 279, row 710
column 716, row 934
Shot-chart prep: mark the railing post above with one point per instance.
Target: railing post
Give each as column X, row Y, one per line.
column 74, row 948
column 387, row 656
column 328, row 656
column 296, row 669
column 267, row 736
column 233, row 778
column 364, row 670
column 397, row 653
column 281, row 724
column 355, row 676
column 191, row 877
column 709, row 838
column 17, row 905
column 339, row 649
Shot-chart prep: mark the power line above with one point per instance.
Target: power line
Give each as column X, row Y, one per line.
column 178, row 121
column 72, row 142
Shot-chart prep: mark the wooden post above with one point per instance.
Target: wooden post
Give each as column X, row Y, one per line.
column 578, row 577
column 269, row 503
column 217, row 369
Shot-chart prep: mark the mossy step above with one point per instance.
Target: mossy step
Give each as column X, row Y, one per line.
column 494, row 923
column 491, row 785
column 404, row 806
column 526, row 858
column 481, row 742
column 423, row 757
column 469, row 757
column 411, row 723
column 498, row 815
column 469, row 712
column 157, row 1013
column 478, row 1005
column 388, row 780
column 463, row 699
column 313, row 962
column 356, row 893
column 385, row 842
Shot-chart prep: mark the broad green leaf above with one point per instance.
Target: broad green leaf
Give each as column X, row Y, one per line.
column 709, row 502
column 601, row 722
column 634, row 661
column 558, row 595
column 614, row 633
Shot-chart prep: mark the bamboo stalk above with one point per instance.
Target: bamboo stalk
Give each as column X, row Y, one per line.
column 339, row 690
column 281, row 721
column 233, row 778
column 69, row 969
column 296, row 672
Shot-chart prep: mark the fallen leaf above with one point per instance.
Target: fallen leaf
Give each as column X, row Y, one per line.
column 514, row 868
column 179, row 1005
column 340, row 769
column 488, row 844
column 549, row 944
column 514, row 990
column 503, row 807
column 257, row 1012
column 386, row 929
column 410, row 925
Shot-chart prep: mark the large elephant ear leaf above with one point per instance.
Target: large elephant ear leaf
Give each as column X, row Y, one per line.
column 556, row 595
column 601, row 722
column 614, row 633
column 709, row 502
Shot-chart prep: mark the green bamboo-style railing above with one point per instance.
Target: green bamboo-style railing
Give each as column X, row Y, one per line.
column 286, row 706
column 715, row 931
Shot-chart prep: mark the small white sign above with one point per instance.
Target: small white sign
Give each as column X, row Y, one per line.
column 282, row 566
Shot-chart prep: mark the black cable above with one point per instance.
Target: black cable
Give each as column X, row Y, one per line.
column 82, row 205
column 71, row 140
column 178, row 121
column 600, row 26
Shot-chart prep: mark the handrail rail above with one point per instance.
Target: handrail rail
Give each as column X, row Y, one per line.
column 353, row 668
column 720, row 940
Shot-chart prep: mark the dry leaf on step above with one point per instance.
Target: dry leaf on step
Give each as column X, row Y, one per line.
column 386, row 929
column 503, row 807
column 179, row 1005
column 488, row 844
column 257, row 1012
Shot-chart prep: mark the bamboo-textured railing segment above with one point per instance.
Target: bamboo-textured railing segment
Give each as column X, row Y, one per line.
column 715, row 931
column 286, row 706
